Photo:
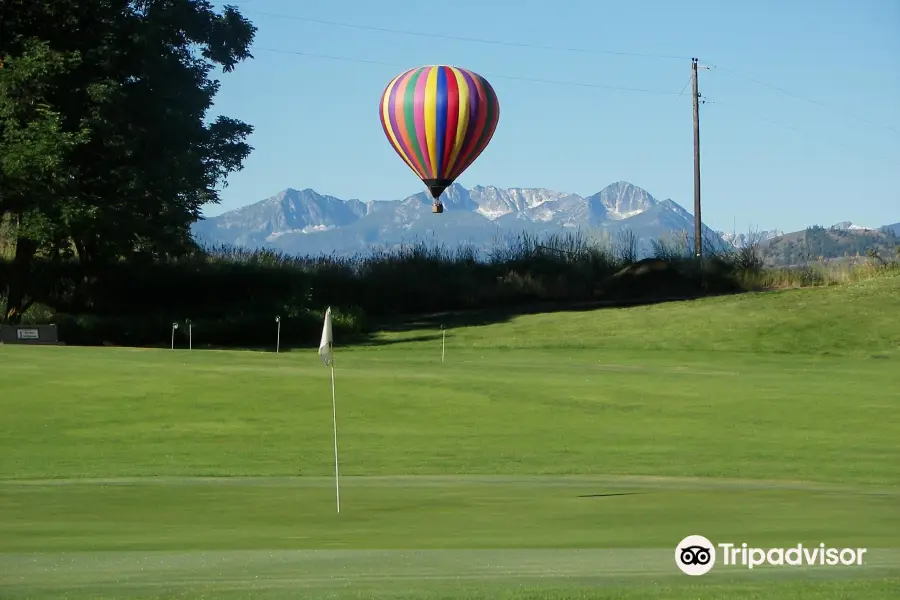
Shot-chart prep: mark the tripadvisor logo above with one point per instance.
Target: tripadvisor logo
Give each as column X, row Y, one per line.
column 696, row 555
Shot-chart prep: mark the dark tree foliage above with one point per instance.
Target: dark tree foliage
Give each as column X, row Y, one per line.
column 108, row 151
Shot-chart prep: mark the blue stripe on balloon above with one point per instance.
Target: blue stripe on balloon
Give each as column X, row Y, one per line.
column 441, row 115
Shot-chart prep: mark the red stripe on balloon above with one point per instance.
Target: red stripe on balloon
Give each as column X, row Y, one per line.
column 492, row 118
column 452, row 120
column 468, row 152
column 396, row 103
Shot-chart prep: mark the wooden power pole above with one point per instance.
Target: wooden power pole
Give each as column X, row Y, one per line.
column 698, row 226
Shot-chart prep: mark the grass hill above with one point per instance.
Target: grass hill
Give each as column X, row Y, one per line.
column 549, row 456
column 820, row 243
column 854, row 319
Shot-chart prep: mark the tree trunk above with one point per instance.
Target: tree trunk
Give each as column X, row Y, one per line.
column 80, row 249
column 17, row 302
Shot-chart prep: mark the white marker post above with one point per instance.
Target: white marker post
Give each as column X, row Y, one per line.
column 174, row 327
column 277, row 334
column 443, row 341
column 190, row 335
column 326, row 353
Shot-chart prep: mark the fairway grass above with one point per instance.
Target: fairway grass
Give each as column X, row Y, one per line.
column 527, row 465
column 420, row 536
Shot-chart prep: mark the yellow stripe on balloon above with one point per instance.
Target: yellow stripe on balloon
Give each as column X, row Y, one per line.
column 385, row 111
column 462, row 124
column 431, row 118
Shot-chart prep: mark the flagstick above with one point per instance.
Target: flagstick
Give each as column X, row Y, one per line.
column 326, row 352
column 337, row 487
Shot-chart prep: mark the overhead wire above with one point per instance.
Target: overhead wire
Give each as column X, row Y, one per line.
column 781, row 90
column 704, row 100
column 732, row 107
column 395, row 31
column 492, row 75
column 596, row 51
column 476, row 40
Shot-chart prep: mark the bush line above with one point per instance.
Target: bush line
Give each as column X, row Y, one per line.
column 232, row 295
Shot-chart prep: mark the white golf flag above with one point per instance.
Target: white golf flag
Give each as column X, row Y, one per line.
column 325, row 350
column 326, row 354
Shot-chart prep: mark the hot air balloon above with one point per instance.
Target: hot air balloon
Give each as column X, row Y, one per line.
column 439, row 119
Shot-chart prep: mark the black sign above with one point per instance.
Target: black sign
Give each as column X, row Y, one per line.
column 28, row 334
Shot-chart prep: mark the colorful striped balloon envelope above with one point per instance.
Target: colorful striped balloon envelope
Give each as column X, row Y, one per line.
column 439, row 119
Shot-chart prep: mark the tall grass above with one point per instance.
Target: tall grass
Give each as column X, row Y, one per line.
column 535, row 263
column 819, row 273
column 233, row 294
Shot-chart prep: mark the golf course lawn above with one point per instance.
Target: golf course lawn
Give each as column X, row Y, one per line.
column 559, row 455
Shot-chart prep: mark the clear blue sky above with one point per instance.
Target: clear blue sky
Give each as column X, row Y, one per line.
column 768, row 159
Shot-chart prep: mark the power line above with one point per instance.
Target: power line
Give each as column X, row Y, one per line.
column 469, row 39
column 797, row 130
column 572, row 49
column 548, row 81
column 805, row 99
column 703, row 100
column 492, row 75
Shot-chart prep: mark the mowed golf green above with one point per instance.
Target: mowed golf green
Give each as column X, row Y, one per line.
column 559, row 455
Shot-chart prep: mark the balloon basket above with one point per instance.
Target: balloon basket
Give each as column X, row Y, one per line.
column 437, row 208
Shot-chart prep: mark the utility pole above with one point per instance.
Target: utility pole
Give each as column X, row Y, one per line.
column 698, row 227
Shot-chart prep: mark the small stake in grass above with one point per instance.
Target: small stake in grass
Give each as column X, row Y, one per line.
column 277, row 334
column 174, row 327
column 443, row 340
column 190, row 335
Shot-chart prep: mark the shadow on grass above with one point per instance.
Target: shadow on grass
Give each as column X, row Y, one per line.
column 646, row 282
column 433, row 322
column 368, row 340
column 345, row 340
column 428, row 325
column 610, row 495
column 481, row 317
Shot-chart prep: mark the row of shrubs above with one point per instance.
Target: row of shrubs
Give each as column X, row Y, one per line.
column 156, row 330
column 232, row 295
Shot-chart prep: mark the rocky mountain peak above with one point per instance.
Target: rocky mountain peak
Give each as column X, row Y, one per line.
column 620, row 200
column 306, row 222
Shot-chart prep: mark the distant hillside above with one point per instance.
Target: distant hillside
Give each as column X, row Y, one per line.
column 306, row 222
column 835, row 242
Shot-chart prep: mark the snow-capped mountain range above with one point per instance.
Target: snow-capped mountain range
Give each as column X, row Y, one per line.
column 740, row 240
column 849, row 226
column 306, row 222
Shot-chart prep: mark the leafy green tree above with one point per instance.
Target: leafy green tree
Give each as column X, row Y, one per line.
column 34, row 148
column 128, row 87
